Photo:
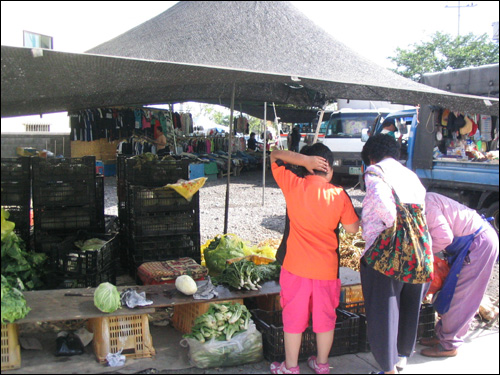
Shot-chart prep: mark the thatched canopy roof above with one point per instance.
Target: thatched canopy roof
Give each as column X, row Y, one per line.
column 195, row 51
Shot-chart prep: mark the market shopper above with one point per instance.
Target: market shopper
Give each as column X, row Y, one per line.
column 161, row 142
column 309, row 277
column 471, row 246
column 252, row 142
column 392, row 306
column 295, row 139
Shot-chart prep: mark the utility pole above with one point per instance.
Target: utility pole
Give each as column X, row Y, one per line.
column 470, row 5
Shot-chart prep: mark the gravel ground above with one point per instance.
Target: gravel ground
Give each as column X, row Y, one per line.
column 248, row 217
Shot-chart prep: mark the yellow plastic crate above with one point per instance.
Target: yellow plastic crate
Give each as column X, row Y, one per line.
column 114, row 333
column 11, row 352
column 185, row 315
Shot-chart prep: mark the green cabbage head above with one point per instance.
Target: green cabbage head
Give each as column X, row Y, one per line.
column 107, row 298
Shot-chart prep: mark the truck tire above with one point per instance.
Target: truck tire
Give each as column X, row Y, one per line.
column 493, row 212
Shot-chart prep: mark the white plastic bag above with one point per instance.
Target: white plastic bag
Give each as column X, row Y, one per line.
column 245, row 347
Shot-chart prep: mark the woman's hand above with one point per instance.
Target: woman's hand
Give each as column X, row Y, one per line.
column 316, row 162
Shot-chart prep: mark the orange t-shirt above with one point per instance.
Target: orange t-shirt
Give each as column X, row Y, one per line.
column 315, row 208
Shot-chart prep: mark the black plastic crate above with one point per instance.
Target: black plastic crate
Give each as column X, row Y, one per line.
column 65, row 257
column 66, row 219
column 20, row 216
column 155, row 173
column 15, row 169
column 99, row 203
column 165, row 247
column 165, row 223
column 427, row 321
column 15, row 193
column 142, row 200
column 65, row 281
column 62, row 194
column 270, row 324
column 64, row 169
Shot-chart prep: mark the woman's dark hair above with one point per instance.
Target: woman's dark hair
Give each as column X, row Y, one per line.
column 378, row 147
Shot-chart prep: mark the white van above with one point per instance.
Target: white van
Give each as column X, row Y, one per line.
column 342, row 134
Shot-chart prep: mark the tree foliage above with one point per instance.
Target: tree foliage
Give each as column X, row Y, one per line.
column 444, row 52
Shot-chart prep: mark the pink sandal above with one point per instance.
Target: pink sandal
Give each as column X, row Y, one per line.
column 319, row 368
column 280, row 368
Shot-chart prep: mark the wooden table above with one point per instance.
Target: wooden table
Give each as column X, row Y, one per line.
column 54, row 305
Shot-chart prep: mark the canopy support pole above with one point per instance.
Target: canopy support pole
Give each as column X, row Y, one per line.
column 264, row 156
column 318, row 126
column 230, row 151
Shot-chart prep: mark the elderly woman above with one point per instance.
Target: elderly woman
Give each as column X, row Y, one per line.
column 471, row 246
column 392, row 306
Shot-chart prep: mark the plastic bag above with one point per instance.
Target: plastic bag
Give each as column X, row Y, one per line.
column 130, row 298
column 245, row 347
column 206, row 290
column 68, row 344
column 116, row 359
column 188, row 188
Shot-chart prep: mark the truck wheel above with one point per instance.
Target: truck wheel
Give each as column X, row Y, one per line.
column 493, row 212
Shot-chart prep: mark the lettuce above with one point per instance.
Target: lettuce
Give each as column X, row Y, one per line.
column 228, row 247
column 107, row 298
column 13, row 303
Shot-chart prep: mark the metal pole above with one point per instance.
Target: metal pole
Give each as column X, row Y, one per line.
column 320, row 120
column 264, row 156
column 230, row 150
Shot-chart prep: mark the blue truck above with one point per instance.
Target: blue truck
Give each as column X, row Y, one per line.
column 445, row 163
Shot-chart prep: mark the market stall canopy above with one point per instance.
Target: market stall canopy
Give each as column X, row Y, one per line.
column 195, row 51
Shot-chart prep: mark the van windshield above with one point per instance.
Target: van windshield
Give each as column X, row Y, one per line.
column 349, row 125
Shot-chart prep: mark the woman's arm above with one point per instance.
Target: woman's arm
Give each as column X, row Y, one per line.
column 309, row 162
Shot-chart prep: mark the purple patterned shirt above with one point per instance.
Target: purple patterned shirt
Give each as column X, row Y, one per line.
column 379, row 207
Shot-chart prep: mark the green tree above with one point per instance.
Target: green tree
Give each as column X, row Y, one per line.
column 444, row 52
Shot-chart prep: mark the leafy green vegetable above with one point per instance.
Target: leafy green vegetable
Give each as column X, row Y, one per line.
column 22, row 269
column 107, row 298
column 13, row 303
column 245, row 274
column 225, row 247
column 221, row 322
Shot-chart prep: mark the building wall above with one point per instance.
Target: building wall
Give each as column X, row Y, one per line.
column 58, row 143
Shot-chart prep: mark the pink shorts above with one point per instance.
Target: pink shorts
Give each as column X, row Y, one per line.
column 300, row 297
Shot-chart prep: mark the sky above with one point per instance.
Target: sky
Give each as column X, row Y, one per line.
column 374, row 29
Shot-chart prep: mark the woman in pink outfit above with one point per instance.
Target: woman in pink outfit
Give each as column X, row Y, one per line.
column 458, row 231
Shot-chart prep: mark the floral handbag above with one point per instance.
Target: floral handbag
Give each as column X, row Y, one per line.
column 403, row 251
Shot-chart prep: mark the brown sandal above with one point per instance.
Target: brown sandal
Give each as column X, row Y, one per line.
column 438, row 351
column 429, row 341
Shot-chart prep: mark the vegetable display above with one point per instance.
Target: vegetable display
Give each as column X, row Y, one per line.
column 22, row 269
column 245, row 274
column 186, row 285
column 107, row 298
column 13, row 303
column 221, row 322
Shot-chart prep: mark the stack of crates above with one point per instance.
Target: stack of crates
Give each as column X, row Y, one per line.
column 67, row 198
column 16, row 194
column 157, row 224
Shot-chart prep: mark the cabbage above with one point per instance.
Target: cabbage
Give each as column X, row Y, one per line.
column 107, row 298
column 227, row 247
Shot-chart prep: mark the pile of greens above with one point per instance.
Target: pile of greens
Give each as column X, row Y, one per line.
column 13, row 303
column 221, row 322
column 21, row 269
column 244, row 274
column 221, row 249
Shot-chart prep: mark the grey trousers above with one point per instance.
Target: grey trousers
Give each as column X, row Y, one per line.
column 392, row 313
